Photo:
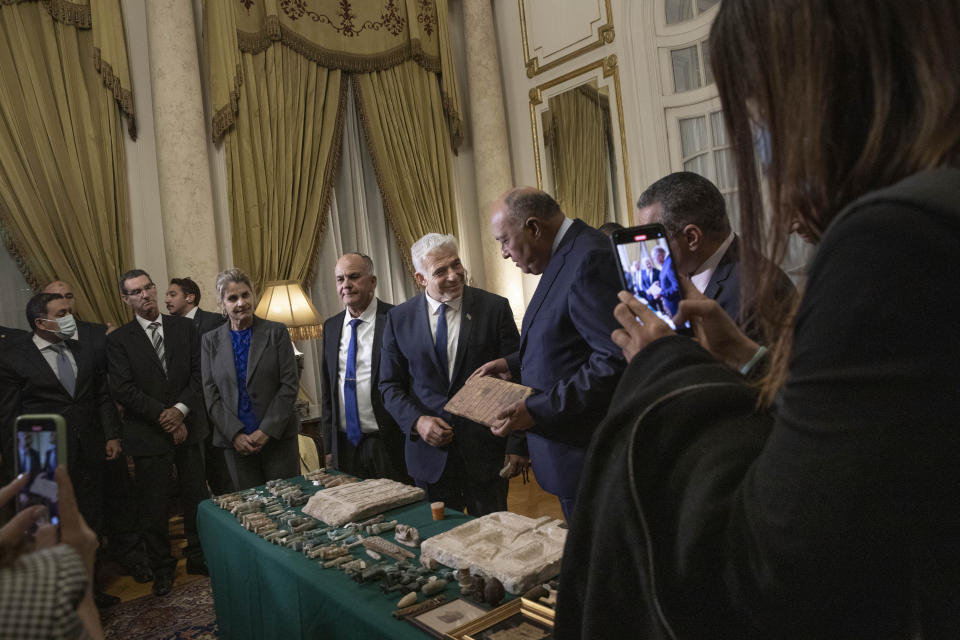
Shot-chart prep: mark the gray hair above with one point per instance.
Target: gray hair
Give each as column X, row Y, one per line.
column 367, row 261
column 428, row 244
column 230, row 276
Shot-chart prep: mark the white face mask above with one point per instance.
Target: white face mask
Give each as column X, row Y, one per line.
column 66, row 326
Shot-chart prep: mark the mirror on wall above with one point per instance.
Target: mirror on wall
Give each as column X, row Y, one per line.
column 577, row 137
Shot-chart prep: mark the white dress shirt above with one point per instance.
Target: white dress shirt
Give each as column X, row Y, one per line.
column 365, row 335
column 701, row 277
column 145, row 324
column 191, row 314
column 50, row 355
column 453, row 327
column 564, row 227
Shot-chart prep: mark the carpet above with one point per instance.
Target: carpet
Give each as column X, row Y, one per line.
column 186, row 614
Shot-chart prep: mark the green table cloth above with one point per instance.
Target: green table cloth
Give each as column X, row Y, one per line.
column 263, row 590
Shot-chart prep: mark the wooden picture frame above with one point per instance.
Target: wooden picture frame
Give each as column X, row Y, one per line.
column 513, row 615
column 448, row 616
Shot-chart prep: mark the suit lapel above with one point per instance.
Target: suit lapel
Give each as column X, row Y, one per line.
column 258, row 342
column 332, row 346
column 721, row 273
column 548, row 278
column 377, row 341
column 83, row 355
column 466, row 326
column 142, row 340
column 33, row 358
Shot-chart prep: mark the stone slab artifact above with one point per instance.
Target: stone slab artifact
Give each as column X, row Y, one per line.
column 358, row 500
column 518, row 551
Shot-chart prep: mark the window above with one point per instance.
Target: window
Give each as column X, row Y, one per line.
column 682, row 10
column 705, row 150
column 691, row 67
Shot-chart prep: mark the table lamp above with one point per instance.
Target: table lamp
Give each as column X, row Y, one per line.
column 284, row 301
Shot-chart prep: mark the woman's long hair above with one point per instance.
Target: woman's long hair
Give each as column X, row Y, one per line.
column 851, row 96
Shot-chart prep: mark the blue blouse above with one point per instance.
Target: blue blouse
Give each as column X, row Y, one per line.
column 241, row 352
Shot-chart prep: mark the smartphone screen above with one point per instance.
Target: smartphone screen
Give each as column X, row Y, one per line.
column 40, row 448
column 646, row 270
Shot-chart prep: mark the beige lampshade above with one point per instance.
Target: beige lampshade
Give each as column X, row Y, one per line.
column 284, row 301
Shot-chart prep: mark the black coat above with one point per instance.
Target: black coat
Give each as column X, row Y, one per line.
column 833, row 516
column 138, row 383
column 206, row 321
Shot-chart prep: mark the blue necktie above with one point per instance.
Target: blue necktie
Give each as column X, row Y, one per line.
column 351, row 412
column 441, row 343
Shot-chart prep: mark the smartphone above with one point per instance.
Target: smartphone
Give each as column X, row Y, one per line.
column 41, row 446
column 647, row 271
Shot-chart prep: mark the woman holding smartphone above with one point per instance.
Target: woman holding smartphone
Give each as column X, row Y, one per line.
column 824, row 501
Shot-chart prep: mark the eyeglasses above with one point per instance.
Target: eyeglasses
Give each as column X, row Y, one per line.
column 136, row 292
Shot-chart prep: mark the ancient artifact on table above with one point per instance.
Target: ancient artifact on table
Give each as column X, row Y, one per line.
column 434, row 586
column 387, row 548
column 354, row 565
column 405, row 534
column 466, row 582
column 493, row 592
column 337, row 562
column 380, row 527
column 359, row 500
column 407, row 600
column 536, row 593
column 436, row 510
column 419, row 608
column 518, row 551
column 373, row 554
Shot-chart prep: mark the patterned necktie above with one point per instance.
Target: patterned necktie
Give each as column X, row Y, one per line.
column 68, row 378
column 441, row 343
column 351, row 412
column 157, row 338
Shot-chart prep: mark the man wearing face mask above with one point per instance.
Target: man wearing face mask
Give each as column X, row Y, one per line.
column 431, row 345
column 119, row 505
column 49, row 372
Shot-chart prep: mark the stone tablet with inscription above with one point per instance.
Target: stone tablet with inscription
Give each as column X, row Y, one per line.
column 518, row 551
column 360, row 500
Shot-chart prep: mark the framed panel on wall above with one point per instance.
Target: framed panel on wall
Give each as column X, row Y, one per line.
column 579, row 144
column 546, row 47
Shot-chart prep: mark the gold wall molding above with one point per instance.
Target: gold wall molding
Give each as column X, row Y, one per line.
column 608, row 69
column 605, row 36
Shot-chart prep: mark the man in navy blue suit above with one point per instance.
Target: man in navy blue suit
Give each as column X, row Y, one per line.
column 431, row 345
column 566, row 354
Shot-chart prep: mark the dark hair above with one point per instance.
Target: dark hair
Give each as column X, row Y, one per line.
column 609, row 227
column 132, row 273
column 189, row 287
column 524, row 202
column 853, row 96
column 367, row 260
column 37, row 307
column 687, row 198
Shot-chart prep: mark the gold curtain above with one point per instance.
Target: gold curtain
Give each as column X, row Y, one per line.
column 401, row 112
column 278, row 109
column 282, row 155
column 579, row 153
column 63, row 186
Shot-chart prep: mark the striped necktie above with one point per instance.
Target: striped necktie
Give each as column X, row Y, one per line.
column 157, row 338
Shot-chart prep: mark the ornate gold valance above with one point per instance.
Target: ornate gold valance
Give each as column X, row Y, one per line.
column 105, row 19
column 350, row 35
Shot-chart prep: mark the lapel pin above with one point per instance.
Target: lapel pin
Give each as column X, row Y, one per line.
column 469, row 317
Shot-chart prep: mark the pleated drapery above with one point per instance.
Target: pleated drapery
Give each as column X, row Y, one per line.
column 63, row 188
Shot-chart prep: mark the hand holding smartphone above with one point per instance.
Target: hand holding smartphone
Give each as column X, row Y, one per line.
column 647, row 271
column 41, row 444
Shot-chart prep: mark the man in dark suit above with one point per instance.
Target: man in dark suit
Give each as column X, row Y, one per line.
column 154, row 365
column 704, row 247
column 183, row 299
column 566, row 354
column 119, row 502
column 375, row 448
column 29, row 458
column 8, row 333
column 51, row 373
column 431, row 345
